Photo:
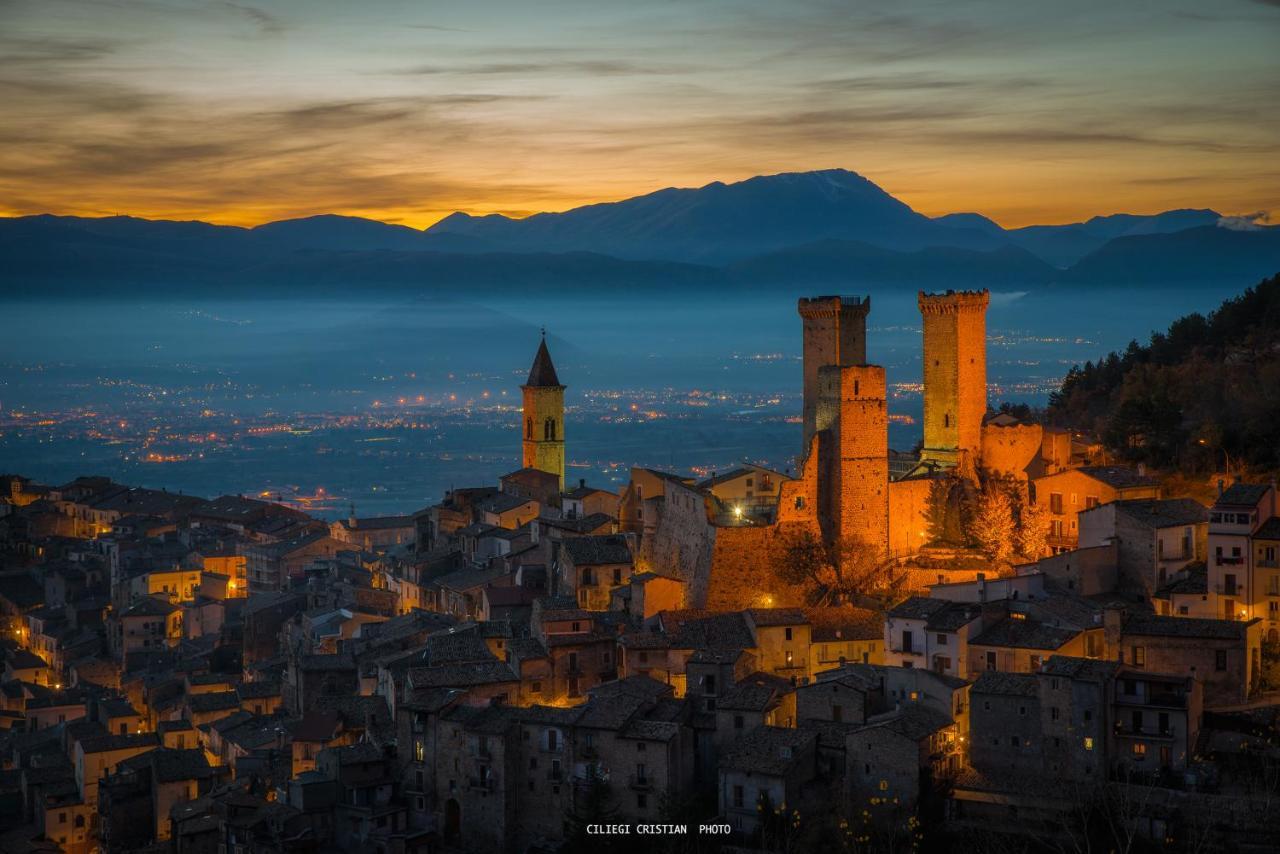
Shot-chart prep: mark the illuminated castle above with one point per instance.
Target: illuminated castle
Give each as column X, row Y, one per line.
column 846, row 416
column 543, row 437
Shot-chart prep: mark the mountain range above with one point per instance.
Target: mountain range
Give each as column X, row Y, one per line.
column 831, row 228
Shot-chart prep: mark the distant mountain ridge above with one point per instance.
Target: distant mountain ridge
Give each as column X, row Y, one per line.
column 830, row 228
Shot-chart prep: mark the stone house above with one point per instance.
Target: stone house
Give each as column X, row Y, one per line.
column 591, row 567
column 1156, row 539
column 1225, row 656
column 767, row 768
column 1066, row 493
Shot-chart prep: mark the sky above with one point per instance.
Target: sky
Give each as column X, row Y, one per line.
column 247, row 112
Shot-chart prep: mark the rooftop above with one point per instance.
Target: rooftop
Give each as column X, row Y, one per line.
column 1118, row 477
column 1242, row 495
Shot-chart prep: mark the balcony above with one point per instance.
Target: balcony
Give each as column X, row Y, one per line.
column 640, row 782
column 480, row 784
column 1163, row 699
column 1144, row 733
column 1229, row 589
column 555, row 775
column 1229, row 560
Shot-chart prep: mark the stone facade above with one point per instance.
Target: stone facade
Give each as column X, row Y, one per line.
column 955, row 375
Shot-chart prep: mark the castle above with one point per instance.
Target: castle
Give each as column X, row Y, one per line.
column 844, row 492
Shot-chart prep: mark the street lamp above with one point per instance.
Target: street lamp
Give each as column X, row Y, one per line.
column 1226, row 456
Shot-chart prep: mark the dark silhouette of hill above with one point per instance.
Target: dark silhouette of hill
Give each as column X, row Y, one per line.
column 1208, row 385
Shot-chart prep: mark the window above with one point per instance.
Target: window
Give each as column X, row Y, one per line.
column 1015, row 741
column 907, row 645
column 737, row 721
column 837, row 714
column 1220, row 660
column 789, row 657
column 1139, row 751
column 942, row 640
column 884, row 785
column 787, row 632
column 737, row 796
column 640, row 747
column 991, row 660
column 642, row 800
column 1022, row 710
column 1053, row 713
column 419, row 750
column 1055, row 503
column 1139, row 656
column 1088, row 743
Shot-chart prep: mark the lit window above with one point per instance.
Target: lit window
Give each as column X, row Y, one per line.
column 1088, row 743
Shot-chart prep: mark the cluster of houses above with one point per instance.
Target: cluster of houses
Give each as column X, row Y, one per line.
column 234, row 675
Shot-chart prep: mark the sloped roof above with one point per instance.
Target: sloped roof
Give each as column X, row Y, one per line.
column 1242, row 495
column 543, row 372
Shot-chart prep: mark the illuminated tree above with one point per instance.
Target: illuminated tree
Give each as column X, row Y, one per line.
column 1033, row 530
column 992, row 527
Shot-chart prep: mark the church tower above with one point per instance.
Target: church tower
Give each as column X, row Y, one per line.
column 955, row 375
column 543, row 422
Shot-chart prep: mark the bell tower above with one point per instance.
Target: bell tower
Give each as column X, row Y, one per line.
column 542, row 424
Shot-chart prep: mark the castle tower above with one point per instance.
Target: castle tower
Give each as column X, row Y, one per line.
column 543, row 422
column 835, row 333
column 955, row 375
column 853, row 483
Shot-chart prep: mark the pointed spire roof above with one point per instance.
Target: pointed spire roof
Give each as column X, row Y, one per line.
column 543, row 372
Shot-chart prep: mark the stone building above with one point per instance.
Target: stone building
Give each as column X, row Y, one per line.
column 543, row 428
column 1156, row 540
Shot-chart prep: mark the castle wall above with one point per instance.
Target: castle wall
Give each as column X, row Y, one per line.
column 1012, row 450
column 682, row 541
column 908, row 515
column 955, row 374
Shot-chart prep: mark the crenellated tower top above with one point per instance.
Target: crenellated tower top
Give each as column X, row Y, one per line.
column 834, row 306
column 954, row 302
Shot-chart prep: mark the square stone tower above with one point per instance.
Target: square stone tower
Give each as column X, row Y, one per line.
column 955, row 375
column 853, row 472
column 835, row 333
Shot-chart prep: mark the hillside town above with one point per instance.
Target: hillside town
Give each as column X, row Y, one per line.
column 1001, row 639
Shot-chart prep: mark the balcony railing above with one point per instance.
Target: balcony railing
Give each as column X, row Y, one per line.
column 641, row 781
column 1226, row 560
column 1229, row 589
column 480, row 784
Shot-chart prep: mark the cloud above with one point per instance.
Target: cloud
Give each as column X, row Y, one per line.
column 268, row 24
column 1255, row 221
column 588, row 67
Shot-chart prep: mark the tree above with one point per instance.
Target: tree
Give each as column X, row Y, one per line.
column 993, row 528
column 1033, row 530
column 844, row 570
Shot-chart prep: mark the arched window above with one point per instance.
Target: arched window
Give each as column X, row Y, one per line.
column 528, row 428
column 549, row 429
